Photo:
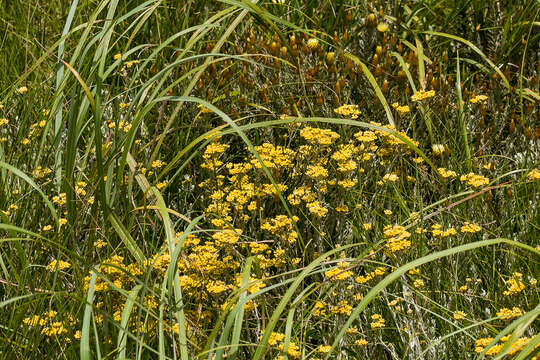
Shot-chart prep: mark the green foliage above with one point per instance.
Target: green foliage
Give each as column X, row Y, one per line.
column 269, row 180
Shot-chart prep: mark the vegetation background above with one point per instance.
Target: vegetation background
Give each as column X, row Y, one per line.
column 269, row 179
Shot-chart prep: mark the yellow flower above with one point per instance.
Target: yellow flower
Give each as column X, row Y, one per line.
column 324, row 349
column 474, row 180
column 470, row 228
column 313, row 43
column 22, row 90
column 421, row 95
column 533, row 175
column 459, row 315
column 3, row 121
column 478, row 99
column 351, row 111
column 361, row 342
column 60, row 264
column 507, row 314
column 117, row 56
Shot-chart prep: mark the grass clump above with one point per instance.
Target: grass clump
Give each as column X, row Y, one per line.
column 276, row 180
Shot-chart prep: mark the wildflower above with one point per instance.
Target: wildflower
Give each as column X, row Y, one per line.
column 117, row 56
column 382, row 27
column 47, row 228
column 22, row 90
column 316, row 172
column 367, row 226
column 378, row 321
column 313, row 43
column 474, row 180
column 342, row 307
column 478, row 99
column 339, row 272
column 320, row 308
column 157, row 164
column 3, row 121
column 507, row 314
column 470, row 228
column 58, row 264
column 463, row 288
column 438, row 149
column 447, row 173
column 62, row 221
column 421, row 95
column 318, row 136
column 99, row 244
column 459, row 315
column 397, row 237
column 342, row 208
column 402, row 110
column 361, row 342
column 160, row 185
column 351, row 111
column 515, row 285
column 533, row 175
column 418, row 283
column 390, row 178
column 324, row 349
column 317, row 209
column 387, row 212
column 216, row 287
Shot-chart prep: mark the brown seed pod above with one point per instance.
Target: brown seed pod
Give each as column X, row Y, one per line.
column 320, row 99
column 349, row 16
column 512, row 126
column 384, row 87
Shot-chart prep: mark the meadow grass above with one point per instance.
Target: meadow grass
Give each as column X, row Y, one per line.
column 269, row 180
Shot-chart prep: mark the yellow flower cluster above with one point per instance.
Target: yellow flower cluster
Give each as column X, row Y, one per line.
column 437, row 232
column 478, row 99
column 58, row 264
column 421, row 95
column 519, row 344
column 533, row 175
column 459, row 315
column 514, row 284
column 507, row 314
column 342, row 308
column 474, row 180
column 351, row 111
column 41, row 172
column 470, row 228
column 339, row 272
column 316, row 136
column 397, row 237
column 447, row 174
column 401, row 109
column 362, row 279
column 377, row 321
column 282, row 227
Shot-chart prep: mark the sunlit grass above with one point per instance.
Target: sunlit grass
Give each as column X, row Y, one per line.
column 269, row 180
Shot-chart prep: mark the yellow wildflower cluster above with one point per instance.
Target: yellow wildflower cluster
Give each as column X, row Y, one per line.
column 507, row 314
column 377, row 321
column 401, row 109
column 459, row 315
column 397, row 237
column 474, row 180
column 121, row 125
column 517, row 345
column 437, row 232
column 447, row 174
column 478, row 99
column 351, row 111
column 514, row 284
column 273, row 156
column 58, row 264
column 533, row 175
column 316, row 136
column 470, row 228
column 421, row 95
column 342, row 308
column 282, row 227
column 362, row 279
column 41, row 172
column 114, row 269
column 49, row 323
column 339, row 272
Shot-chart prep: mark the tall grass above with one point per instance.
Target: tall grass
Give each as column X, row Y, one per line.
column 125, row 122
